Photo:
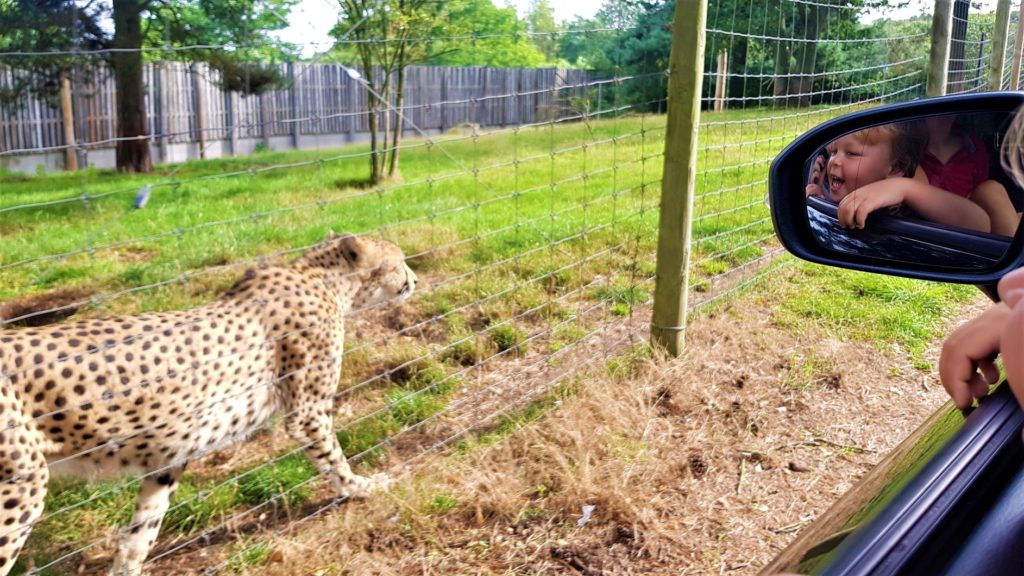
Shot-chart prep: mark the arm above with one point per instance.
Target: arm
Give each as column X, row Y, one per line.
column 933, row 204
column 967, row 364
column 1011, row 290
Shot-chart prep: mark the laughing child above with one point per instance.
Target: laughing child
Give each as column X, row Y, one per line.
column 873, row 169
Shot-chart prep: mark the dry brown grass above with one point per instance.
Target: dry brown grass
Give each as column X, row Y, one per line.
column 707, row 464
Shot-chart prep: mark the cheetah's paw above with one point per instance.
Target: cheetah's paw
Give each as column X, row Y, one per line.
column 364, row 486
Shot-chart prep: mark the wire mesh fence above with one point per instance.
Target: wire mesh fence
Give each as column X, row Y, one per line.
column 771, row 73
column 527, row 205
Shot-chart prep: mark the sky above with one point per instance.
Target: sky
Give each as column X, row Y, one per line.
column 311, row 20
column 915, row 7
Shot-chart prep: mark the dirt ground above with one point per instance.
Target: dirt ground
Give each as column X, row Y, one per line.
column 707, row 464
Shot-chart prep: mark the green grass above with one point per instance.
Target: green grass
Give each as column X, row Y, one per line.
column 515, row 191
column 886, row 310
column 283, row 478
column 510, row 212
column 249, row 554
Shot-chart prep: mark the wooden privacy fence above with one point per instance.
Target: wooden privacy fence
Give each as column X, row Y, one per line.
column 187, row 104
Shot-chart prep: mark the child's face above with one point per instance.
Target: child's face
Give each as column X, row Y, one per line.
column 853, row 164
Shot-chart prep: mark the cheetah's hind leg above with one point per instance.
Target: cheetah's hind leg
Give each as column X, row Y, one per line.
column 23, row 479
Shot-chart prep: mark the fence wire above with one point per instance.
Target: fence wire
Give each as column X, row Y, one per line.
column 527, row 205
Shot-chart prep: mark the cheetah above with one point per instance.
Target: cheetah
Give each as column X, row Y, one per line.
column 146, row 394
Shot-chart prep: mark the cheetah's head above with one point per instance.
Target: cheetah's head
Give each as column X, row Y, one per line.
column 377, row 265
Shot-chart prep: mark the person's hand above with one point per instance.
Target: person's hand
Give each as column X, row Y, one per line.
column 814, row 184
column 967, row 363
column 855, row 208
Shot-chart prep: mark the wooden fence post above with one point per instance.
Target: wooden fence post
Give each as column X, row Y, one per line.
column 981, row 60
column 264, row 120
column 68, row 117
column 938, row 62
column 723, row 67
column 160, row 109
column 231, row 114
column 294, row 105
column 999, row 36
column 197, row 87
column 686, row 72
column 1018, row 51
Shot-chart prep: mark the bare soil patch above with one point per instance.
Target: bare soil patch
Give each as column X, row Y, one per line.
column 44, row 308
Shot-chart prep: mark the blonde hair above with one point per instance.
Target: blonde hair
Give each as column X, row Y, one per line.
column 906, row 141
column 1012, row 146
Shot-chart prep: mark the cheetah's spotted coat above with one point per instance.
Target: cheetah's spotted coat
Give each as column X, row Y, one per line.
column 149, row 393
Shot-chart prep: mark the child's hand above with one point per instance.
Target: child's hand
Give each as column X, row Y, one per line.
column 967, row 364
column 814, row 187
column 854, row 209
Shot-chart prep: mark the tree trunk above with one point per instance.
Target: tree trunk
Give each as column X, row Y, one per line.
column 376, row 162
column 396, row 136
column 781, row 88
column 801, row 86
column 737, row 64
column 133, row 145
column 372, row 105
column 386, row 112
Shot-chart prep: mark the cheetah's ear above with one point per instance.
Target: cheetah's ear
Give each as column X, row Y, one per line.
column 331, row 235
column 359, row 252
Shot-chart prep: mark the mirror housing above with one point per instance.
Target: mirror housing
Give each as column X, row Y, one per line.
column 789, row 203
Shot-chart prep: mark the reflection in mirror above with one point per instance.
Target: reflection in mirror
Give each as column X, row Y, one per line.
column 927, row 190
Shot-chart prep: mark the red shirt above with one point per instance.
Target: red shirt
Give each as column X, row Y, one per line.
column 964, row 171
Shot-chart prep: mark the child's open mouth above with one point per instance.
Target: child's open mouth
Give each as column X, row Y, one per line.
column 836, row 183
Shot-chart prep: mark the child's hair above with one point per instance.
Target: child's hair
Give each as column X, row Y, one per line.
column 1012, row 148
column 906, row 140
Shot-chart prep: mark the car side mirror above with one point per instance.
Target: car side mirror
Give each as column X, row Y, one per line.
column 914, row 189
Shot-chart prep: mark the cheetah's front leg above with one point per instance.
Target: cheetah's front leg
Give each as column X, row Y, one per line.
column 136, row 540
column 315, row 431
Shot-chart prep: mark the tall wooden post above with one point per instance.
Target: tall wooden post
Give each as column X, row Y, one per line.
column 720, row 80
column 197, row 87
column 231, row 118
column 68, row 118
column 938, row 61
column 686, row 63
column 160, row 120
column 999, row 37
column 1018, row 51
column 264, row 121
column 293, row 102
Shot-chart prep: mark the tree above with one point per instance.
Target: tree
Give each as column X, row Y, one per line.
column 47, row 26
column 384, row 38
column 132, row 144
column 478, row 33
column 642, row 51
column 541, row 22
column 42, row 26
column 249, row 54
column 797, row 58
